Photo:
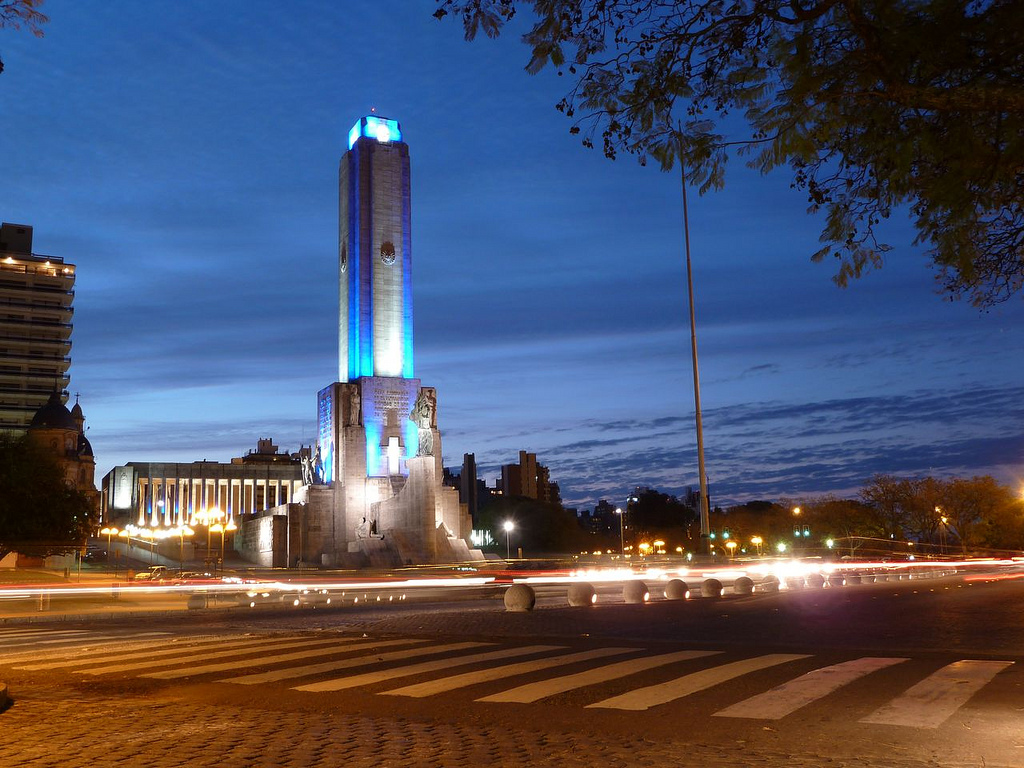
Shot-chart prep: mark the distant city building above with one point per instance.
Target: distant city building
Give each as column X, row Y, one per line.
column 547, row 491
column 61, row 433
column 166, row 494
column 603, row 519
column 36, row 293
column 529, row 479
column 469, row 485
column 450, row 478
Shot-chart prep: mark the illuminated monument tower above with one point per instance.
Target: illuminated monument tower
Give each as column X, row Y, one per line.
column 376, row 490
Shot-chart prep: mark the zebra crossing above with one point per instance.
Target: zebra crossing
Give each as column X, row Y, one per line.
column 331, row 662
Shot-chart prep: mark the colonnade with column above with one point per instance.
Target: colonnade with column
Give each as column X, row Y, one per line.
column 175, row 501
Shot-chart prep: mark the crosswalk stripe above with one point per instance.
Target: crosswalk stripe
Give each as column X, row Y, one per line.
column 19, row 634
column 371, row 678
column 64, row 642
column 103, row 650
column 531, row 692
column 930, row 702
column 652, row 696
column 334, row 666
column 143, row 650
column 789, row 697
column 204, row 669
column 204, row 655
column 431, row 687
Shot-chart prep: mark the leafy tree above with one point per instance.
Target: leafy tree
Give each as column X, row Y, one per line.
column 1004, row 526
column 872, row 105
column 540, row 528
column 970, row 504
column 655, row 515
column 889, row 499
column 769, row 520
column 848, row 521
column 22, row 13
column 922, row 502
column 39, row 513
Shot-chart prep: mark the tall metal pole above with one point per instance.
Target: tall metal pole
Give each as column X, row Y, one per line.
column 705, row 523
column 622, row 533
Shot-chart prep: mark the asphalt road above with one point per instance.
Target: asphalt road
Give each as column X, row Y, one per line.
column 715, row 677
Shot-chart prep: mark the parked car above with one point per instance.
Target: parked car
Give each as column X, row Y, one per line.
column 153, row 573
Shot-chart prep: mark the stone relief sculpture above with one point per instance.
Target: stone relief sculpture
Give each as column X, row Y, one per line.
column 367, row 529
column 307, row 470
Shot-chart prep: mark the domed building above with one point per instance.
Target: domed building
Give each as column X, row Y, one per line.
column 61, row 433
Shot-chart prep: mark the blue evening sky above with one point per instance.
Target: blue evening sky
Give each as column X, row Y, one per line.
column 184, row 156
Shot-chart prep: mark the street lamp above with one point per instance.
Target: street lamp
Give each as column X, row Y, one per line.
column 942, row 530
column 622, row 533
column 757, row 541
column 509, row 526
column 222, row 529
column 206, row 517
column 732, row 548
column 108, row 532
column 150, row 533
column 183, row 531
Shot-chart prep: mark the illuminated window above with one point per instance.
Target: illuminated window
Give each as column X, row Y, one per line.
column 394, row 452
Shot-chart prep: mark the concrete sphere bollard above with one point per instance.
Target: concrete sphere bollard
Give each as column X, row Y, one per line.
column 795, row 582
column 853, row 578
column 770, row 583
column 676, row 589
column 520, row 598
column 711, row 588
column 581, row 594
column 197, row 601
column 815, row 580
column 743, row 585
column 635, row 592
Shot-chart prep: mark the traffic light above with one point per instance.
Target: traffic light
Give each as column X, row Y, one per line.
column 807, row 530
column 797, row 531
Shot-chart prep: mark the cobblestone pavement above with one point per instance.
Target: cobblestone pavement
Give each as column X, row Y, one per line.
column 61, row 721
column 47, row 728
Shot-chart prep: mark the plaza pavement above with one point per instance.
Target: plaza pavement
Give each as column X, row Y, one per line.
column 110, row 722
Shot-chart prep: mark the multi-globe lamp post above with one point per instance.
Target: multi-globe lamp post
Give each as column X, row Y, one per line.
column 108, row 532
column 223, row 529
column 209, row 517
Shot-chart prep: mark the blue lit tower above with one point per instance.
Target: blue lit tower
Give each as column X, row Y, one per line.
column 375, row 490
column 375, row 253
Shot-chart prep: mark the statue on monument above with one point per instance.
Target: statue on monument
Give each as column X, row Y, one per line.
column 307, row 469
column 317, row 467
column 424, row 415
column 353, row 404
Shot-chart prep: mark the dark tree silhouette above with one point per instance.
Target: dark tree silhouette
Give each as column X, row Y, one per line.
column 39, row 513
column 876, row 107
